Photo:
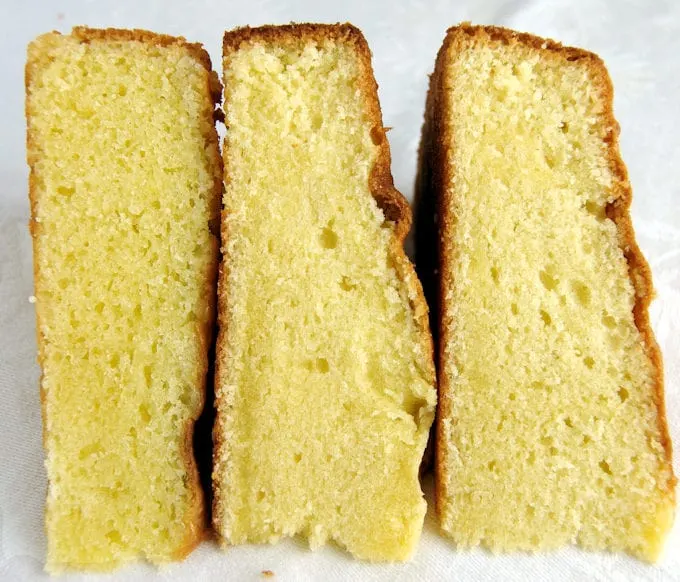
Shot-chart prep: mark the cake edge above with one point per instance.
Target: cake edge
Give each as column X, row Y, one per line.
column 196, row 519
column 381, row 185
column 432, row 195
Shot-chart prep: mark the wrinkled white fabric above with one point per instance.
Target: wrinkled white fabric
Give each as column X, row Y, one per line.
column 640, row 43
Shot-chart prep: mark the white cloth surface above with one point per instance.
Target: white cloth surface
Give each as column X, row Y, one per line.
column 640, row 43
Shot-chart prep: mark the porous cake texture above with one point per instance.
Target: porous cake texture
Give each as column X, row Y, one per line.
column 551, row 425
column 324, row 387
column 125, row 180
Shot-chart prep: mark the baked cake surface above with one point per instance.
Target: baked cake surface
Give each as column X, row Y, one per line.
column 324, row 372
column 551, row 426
column 125, row 178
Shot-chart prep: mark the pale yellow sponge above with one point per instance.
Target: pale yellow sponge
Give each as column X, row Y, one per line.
column 125, row 179
column 325, row 380
column 551, row 424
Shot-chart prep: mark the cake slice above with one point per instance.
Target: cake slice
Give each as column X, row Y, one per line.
column 324, row 373
column 125, row 181
column 551, row 425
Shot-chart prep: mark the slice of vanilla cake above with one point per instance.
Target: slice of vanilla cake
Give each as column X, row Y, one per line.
column 324, row 387
column 125, row 181
column 551, row 425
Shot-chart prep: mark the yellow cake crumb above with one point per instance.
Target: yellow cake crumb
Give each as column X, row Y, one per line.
column 124, row 163
column 551, row 431
column 324, row 377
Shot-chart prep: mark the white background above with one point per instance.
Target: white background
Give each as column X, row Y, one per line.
column 640, row 43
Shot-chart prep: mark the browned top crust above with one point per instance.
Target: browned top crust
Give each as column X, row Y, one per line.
column 196, row 520
column 291, row 34
column 395, row 207
column 433, row 196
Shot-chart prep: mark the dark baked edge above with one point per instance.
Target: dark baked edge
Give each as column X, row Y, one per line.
column 393, row 204
column 433, row 195
column 196, row 520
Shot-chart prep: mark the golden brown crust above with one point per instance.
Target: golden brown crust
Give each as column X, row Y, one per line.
column 430, row 183
column 223, row 321
column 433, row 192
column 196, row 521
column 394, row 206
